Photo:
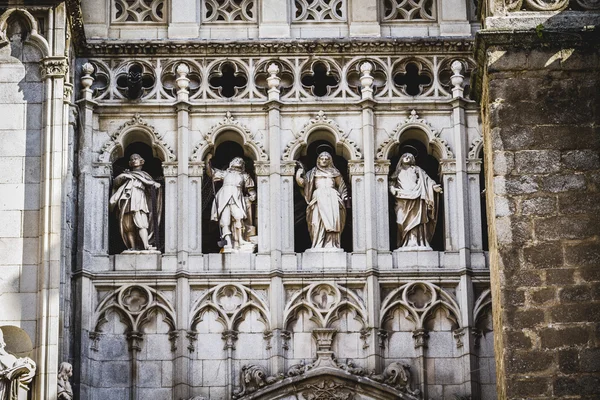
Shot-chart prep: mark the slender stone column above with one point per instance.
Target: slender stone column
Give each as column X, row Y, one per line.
column 474, row 193
column 382, row 170
column 448, row 174
column 356, row 171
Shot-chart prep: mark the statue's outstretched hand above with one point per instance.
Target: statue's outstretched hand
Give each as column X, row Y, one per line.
column 437, row 188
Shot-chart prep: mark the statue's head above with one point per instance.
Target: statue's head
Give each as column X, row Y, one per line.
column 65, row 370
column 408, row 159
column 2, row 343
column 324, row 160
column 237, row 163
column 136, row 161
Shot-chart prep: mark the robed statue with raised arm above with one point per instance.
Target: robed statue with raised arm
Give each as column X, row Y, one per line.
column 137, row 200
column 325, row 192
column 232, row 207
column 416, row 207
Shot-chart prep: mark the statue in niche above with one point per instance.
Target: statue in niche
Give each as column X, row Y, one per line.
column 416, row 207
column 325, row 192
column 138, row 201
column 64, row 390
column 232, row 207
column 15, row 373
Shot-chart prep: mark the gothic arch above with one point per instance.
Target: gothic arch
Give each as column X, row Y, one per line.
column 230, row 302
column 414, row 127
column 322, row 127
column 34, row 38
column 475, row 148
column 324, row 302
column 229, row 129
column 136, row 129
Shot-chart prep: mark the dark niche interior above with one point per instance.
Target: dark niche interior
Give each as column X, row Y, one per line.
column 431, row 166
column 483, row 194
column 152, row 166
column 223, row 155
column 301, row 236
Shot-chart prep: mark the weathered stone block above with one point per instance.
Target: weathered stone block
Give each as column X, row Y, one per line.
column 563, row 183
column 537, row 161
column 530, row 361
column 552, row 338
column 538, row 206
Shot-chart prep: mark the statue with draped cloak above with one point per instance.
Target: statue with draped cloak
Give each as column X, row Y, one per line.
column 138, row 201
column 416, row 207
column 325, row 192
column 15, row 374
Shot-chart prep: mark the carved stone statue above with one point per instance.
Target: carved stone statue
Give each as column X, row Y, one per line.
column 138, row 202
column 64, row 391
column 396, row 375
column 15, row 373
column 252, row 378
column 232, row 205
column 325, row 192
column 416, row 204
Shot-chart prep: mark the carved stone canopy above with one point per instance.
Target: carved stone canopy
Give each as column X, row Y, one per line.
column 316, row 382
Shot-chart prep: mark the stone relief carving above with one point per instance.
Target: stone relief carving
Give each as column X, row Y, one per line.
column 396, row 375
column 136, row 305
column 328, row 390
column 252, row 378
column 137, row 200
column 441, row 149
column 325, row 192
column 419, row 300
column 475, row 148
column 15, row 374
column 232, row 206
column 64, row 390
column 416, row 207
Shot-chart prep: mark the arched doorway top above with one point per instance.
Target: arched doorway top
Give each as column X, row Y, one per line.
column 328, row 383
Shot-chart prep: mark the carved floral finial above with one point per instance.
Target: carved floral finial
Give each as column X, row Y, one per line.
column 183, row 82
column 87, row 80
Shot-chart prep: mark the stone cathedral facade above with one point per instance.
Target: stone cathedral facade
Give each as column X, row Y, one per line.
column 215, row 199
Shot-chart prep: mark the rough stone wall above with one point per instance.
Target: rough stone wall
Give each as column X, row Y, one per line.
column 541, row 112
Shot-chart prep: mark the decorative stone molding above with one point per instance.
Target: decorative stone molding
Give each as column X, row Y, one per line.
column 458, row 336
column 229, row 123
column 420, row 300
column 325, row 301
column 192, row 337
column 440, row 147
column 328, row 389
column 139, row 11
column 475, row 148
column 356, row 168
column 230, row 302
column 537, row 5
column 321, row 122
column 288, row 168
column 115, row 147
column 447, row 167
column 356, row 46
column 474, row 166
column 229, row 337
column 324, row 339
column 420, row 337
column 54, row 67
column 382, row 167
column 136, row 305
column 382, row 338
column 262, row 168
column 411, row 10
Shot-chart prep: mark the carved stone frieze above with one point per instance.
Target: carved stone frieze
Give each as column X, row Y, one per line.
column 252, row 378
column 328, row 390
column 396, row 375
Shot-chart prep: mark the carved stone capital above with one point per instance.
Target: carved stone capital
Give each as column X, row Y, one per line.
column 474, row 166
column 382, row 167
column 229, row 337
column 382, row 336
column 135, row 340
column 196, row 169
column 262, row 168
column 288, row 168
column 54, row 67
column 67, row 92
column 102, row 170
column 170, row 169
column 356, row 168
column 191, row 337
column 420, row 336
column 447, row 167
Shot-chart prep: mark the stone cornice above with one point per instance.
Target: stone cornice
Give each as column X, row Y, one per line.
column 344, row 46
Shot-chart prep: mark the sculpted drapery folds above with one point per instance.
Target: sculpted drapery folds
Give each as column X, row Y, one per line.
column 232, row 205
column 15, row 373
column 416, row 207
column 325, row 192
column 64, row 390
column 138, row 201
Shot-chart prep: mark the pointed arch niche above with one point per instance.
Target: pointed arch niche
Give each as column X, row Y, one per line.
column 135, row 136
column 225, row 140
column 319, row 134
column 433, row 154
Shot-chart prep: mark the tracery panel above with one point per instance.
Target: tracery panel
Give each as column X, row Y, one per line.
column 319, row 11
column 226, row 11
column 139, row 11
column 408, row 10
